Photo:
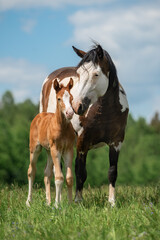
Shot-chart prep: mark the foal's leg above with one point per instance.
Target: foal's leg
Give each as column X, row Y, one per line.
column 59, row 179
column 112, row 173
column 32, row 171
column 48, row 174
column 68, row 157
column 81, row 174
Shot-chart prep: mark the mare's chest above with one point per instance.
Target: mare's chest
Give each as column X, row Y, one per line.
column 104, row 123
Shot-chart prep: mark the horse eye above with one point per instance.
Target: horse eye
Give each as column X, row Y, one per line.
column 96, row 74
column 59, row 99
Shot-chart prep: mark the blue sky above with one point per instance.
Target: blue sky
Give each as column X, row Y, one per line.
column 36, row 38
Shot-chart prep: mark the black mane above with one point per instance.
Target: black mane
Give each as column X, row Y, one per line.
column 89, row 56
column 93, row 56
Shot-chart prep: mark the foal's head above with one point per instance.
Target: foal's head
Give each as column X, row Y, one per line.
column 64, row 98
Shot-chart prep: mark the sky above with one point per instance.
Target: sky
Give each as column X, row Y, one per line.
column 36, row 38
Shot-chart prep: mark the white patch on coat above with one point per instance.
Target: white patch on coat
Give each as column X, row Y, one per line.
column 92, row 83
column 80, row 131
column 117, row 147
column 77, row 124
column 65, row 81
column 123, row 100
column 40, row 103
column 52, row 96
column 52, row 104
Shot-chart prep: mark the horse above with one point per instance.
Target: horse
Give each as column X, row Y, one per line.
column 100, row 110
column 55, row 133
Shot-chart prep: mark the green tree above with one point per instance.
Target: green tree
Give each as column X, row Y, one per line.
column 8, row 107
column 155, row 122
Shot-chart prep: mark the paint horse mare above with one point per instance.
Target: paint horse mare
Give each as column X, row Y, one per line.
column 100, row 107
column 55, row 133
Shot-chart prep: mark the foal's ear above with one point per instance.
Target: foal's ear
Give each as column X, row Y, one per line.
column 56, row 85
column 70, row 84
column 79, row 52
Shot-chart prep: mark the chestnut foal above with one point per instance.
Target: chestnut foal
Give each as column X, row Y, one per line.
column 54, row 132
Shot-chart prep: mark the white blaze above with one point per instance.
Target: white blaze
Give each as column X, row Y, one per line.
column 92, row 83
column 66, row 101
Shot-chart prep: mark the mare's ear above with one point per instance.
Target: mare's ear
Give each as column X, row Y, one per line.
column 80, row 53
column 56, row 85
column 70, row 84
column 99, row 51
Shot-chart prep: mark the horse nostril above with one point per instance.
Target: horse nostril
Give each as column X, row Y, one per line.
column 80, row 109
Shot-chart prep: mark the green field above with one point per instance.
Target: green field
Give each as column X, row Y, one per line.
column 136, row 215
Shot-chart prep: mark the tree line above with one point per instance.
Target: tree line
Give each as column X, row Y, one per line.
column 139, row 161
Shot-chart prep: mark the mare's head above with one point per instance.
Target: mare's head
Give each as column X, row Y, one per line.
column 96, row 73
column 64, row 98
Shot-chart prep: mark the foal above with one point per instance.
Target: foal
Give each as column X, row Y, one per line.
column 55, row 133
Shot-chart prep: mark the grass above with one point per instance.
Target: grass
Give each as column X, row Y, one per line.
column 136, row 215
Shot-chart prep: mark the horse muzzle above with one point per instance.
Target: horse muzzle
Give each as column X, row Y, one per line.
column 81, row 107
column 69, row 114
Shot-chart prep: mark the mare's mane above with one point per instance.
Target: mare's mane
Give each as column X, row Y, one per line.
column 92, row 55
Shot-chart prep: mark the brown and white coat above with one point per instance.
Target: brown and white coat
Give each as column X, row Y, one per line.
column 55, row 133
column 100, row 107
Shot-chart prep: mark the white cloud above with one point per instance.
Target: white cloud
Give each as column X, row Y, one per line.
column 23, row 78
column 21, row 4
column 28, row 25
column 131, row 36
column 118, row 29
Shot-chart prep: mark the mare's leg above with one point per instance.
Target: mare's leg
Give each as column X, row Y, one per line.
column 112, row 173
column 81, row 174
column 48, row 174
column 32, row 171
column 59, row 179
column 68, row 157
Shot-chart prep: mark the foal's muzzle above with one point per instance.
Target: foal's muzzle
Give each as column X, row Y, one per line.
column 69, row 114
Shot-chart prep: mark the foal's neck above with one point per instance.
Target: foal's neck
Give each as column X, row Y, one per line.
column 60, row 117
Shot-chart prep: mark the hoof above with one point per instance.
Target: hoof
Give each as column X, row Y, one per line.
column 78, row 200
column 56, row 205
column 112, row 202
column 28, row 203
column 48, row 204
column 78, row 197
